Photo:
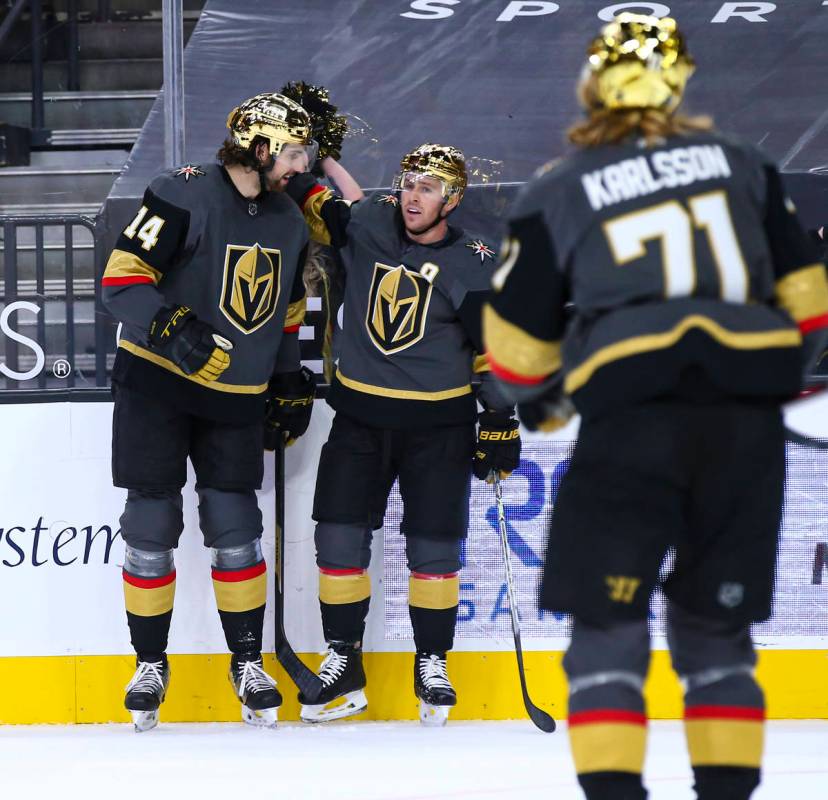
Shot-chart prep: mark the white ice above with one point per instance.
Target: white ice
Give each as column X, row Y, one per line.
column 364, row 760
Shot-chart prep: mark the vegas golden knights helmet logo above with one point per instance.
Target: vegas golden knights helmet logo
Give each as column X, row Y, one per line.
column 251, row 285
column 397, row 307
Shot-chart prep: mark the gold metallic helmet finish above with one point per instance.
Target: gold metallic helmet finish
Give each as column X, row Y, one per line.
column 445, row 163
column 640, row 62
column 275, row 117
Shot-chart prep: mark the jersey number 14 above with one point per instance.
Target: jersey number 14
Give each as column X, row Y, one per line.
column 148, row 232
column 672, row 225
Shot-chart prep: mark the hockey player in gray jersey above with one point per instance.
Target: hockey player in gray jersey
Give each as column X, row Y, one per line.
column 659, row 278
column 405, row 408
column 207, row 281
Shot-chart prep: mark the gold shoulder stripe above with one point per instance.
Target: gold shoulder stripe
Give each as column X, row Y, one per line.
column 296, row 312
column 516, row 350
column 402, row 394
column 127, row 265
column 313, row 216
column 759, row 340
column 160, row 361
column 804, row 293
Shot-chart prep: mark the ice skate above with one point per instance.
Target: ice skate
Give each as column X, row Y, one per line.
column 257, row 691
column 146, row 691
column 433, row 688
column 344, row 683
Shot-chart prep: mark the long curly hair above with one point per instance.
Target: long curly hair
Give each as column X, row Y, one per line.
column 611, row 126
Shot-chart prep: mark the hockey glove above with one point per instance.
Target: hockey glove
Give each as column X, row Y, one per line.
column 289, row 407
column 195, row 347
column 550, row 412
column 498, row 445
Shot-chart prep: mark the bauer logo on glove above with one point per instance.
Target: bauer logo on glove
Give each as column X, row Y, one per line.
column 498, row 446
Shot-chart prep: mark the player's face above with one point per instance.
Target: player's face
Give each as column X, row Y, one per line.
column 292, row 159
column 421, row 202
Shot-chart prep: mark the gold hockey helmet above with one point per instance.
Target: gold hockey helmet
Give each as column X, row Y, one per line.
column 640, row 62
column 445, row 163
column 275, row 117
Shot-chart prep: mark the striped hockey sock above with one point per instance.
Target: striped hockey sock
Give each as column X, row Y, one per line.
column 432, row 604
column 240, row 598
column 344, row 597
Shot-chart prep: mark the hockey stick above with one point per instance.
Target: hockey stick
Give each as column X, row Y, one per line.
column 541, row 719
column 305, row 679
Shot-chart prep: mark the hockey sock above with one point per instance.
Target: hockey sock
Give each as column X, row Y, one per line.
column 432, row 604
column 724, row 725
column 608, row 736
column 149, row 604
column 240, row 598
column 344, row 597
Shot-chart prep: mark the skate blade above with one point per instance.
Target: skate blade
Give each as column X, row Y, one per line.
column 433, row 716
column 348, row 705
column 144, row 720
column 261, row 718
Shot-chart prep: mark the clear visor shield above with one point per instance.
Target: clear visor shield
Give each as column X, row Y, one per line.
column 298, row 157
column 427, row 185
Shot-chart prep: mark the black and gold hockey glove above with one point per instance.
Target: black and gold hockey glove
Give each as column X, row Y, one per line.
column 498, row 445
column 195, row 347
column 549, row 412
column 299, row 185
column 289, row 407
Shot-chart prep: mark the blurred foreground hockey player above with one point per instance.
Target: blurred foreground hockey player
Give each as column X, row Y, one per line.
column 405, row 408
column 693, row 289
column 207, row 281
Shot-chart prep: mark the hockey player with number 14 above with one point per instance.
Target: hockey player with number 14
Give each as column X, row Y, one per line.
column 207, row 282
column 405, row 407
column 660, row 279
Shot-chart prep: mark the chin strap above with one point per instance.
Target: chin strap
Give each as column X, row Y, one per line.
column 434, row 224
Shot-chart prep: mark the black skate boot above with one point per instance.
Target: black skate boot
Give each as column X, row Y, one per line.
column 343, row 677
column 433, row 688
column 256, row 689
column 146, row 691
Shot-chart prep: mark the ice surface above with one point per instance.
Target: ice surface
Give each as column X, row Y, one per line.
column 365, row 760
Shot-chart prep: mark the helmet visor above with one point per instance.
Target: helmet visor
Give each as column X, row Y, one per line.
column 424, row 184
column 298, row 157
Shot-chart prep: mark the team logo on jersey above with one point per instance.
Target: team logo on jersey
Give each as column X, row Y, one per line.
column 480, row 249
column 397, row 307
column 388, row 199
column 189, row 171
column 250, row 288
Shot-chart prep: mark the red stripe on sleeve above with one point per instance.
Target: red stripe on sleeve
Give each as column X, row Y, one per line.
column 725, row 712
column 813, row 324
column 607, row 715
column 237, row 575
column 124, row 281
column 512, row 377
column 292, row 329
column 149, row 583
column 315, row 190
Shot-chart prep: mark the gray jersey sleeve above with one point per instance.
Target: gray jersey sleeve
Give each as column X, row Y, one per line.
column 153, row 243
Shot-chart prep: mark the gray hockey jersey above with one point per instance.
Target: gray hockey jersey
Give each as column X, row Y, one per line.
column 629, row 267
column 237, row 263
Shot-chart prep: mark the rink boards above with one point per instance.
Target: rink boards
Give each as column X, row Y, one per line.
column 64, row 627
